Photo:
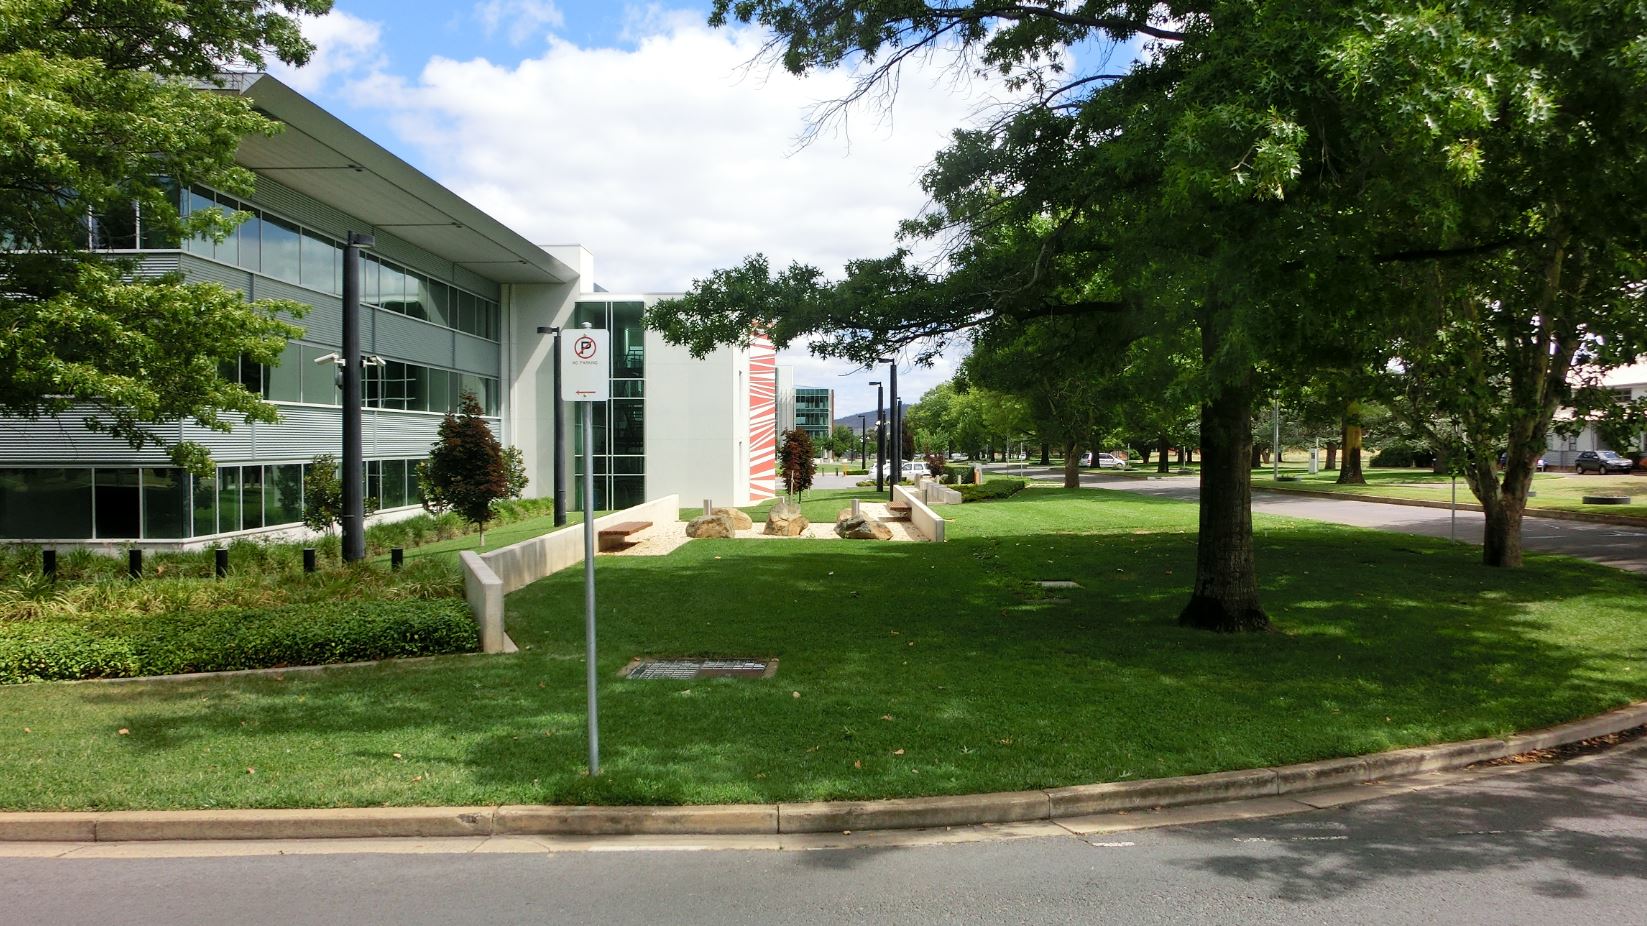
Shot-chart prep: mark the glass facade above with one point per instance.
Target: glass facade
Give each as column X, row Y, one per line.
column 401, row 386
column 619, row 424
column 814, row 412
column 163, row 503
column 285, row 250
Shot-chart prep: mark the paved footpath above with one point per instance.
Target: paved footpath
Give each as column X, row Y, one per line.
column 1545, row 844
column 1622, row 547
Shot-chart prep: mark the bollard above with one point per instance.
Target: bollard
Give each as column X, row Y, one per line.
column 857, row 510
column 308, row 559
column 134, row 564
column 48, row 565
column 708, row 506
column 220, row 562
column 397, row 558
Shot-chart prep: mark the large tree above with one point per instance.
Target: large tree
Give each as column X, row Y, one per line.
column 105, row 113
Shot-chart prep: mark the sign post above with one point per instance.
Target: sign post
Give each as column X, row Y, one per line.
column 586, row 376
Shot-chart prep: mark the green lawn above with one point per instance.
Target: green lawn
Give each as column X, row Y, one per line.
column 1556, row 491
column 906, row 669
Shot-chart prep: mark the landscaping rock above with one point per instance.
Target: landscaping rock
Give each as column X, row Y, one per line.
column 710, row 525
column 740, row 520
column 785, row 520
column 848, row 527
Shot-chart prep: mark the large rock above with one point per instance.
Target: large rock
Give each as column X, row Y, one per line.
column 860, row 527
column 710, row 525
column 785, row 520
column 739, row 519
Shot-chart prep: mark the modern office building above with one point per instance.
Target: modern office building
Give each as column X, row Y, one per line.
column 452, row 300
column 815, row 412
column 1628, row 384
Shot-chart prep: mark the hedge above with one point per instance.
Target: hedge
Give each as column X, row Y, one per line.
column 349, row 631
column 991, row 489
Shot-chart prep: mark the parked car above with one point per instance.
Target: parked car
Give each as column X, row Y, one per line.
column 1600, row 461
column 913, row 469
column 1103, row 461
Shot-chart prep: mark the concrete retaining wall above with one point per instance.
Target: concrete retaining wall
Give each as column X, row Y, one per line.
column 487, row 577
column 926, row 522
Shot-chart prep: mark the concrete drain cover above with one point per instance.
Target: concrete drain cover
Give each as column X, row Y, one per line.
column 1057, row 583
column 701, row 668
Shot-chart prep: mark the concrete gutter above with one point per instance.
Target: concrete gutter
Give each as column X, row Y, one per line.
column 1551, row 513
column 1327, row 778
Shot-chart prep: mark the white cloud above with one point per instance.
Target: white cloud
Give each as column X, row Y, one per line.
column 345, row 46
column 519, row 20
column 668, row 157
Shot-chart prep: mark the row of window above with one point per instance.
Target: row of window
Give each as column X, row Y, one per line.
column 301, row 376
column 120, row 503
column 618, row 426
column 285, row 250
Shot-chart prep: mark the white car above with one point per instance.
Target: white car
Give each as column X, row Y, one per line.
column 913, row 469
column 1104, row 461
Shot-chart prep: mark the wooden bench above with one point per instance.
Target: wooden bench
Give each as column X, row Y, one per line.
column 616, row 537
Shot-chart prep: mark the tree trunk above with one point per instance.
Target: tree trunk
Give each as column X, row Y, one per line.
column 1332, row 454
column 1046, row 453
column 1163, row 446
column 1226, row 579
column 1143, row 451
column 1255, row 454
column 1351, row 473
column 1072, row 465
column 1183, row 457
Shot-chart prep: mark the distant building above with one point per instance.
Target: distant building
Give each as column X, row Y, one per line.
column 815, row 412
column 1628, row 384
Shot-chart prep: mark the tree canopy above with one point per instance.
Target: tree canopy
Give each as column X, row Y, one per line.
column 105, row 114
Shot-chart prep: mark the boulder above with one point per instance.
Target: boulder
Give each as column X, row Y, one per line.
column 740, row 521
column 710, row 525
column 848, row 527
column 785, row 520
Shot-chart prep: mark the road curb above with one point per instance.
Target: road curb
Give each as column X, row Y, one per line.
column 797, row 817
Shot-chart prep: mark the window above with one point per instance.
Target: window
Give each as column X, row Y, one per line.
column 205, row 505
column 392, row 288
column 319, row 379
column 251, row 497
column 250, row 234
column 118, row 504
column 228, row 499
column 165, row 504
column 282, row 250
column 284, row 381
column 40, row 504
column 316, row 258
column 283, row 494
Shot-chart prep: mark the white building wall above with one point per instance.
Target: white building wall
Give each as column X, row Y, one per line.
column 529, row 376
column 697, row 422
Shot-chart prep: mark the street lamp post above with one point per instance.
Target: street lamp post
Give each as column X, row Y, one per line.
column 897, row 431
column 354, row 465
column 559, row 428
column 863, row 439
column 880, row 434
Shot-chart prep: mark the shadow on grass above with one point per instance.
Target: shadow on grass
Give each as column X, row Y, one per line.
column 928, row 669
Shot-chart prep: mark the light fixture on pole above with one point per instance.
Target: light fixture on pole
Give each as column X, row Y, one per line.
column 880, row 434
column 559, row 442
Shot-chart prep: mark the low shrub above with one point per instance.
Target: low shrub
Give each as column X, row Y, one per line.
column 167, row 644
column 1403, row 454
column 991, row 489
column 957, row 475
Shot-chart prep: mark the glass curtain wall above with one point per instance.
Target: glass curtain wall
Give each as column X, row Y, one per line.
column 163, row 503
column 619, row 425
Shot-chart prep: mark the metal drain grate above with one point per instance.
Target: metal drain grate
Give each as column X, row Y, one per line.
column 701, row 668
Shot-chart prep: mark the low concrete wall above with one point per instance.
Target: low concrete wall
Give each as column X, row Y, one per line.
column 487, row 577
column 925, row 520
column 935, row 493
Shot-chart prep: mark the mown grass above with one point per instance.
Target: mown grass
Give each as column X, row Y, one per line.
column 1555, row 491
column 905, row 669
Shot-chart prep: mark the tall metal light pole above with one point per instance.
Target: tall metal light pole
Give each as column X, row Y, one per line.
column 897, row 435
column 559, row 428
column 880, row 434
column 354, row 465
column 863, row 440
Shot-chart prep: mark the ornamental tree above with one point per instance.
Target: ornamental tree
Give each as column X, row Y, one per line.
column 104, row 118
column 795, row 461
column 466, row 468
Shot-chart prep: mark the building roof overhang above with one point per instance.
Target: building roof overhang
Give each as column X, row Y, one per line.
column 321, row 156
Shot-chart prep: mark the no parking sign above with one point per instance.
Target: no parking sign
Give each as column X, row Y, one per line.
column 586, row 365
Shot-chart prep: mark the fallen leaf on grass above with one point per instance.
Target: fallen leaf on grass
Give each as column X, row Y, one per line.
column 123, row 731
column 897, row 752
column 396, row 755
column 886, row 716
column 794, row 694
column 857, row 763
column 27, row 730
column 250, row 770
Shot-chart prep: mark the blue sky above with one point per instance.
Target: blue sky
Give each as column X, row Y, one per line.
column 637, row 131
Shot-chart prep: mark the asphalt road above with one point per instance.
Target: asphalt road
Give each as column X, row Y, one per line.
column 1554, row 844
column 1622, row 547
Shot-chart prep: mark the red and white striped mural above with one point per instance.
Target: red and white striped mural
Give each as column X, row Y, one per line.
column 763, row 419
